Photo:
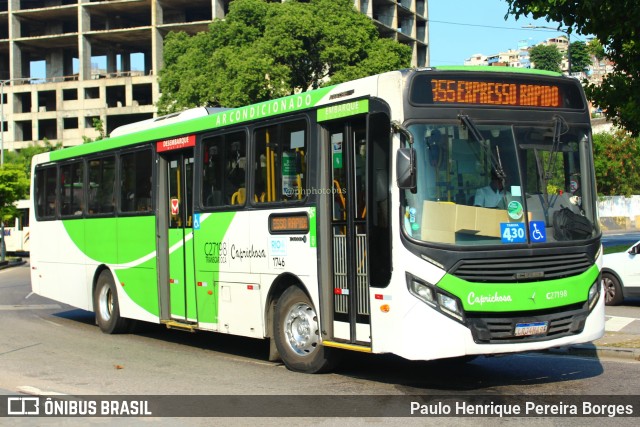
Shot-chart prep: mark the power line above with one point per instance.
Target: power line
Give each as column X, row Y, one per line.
column 476, row 25
column 499, row 28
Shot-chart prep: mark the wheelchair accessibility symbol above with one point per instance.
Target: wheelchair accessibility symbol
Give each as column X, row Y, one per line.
column 537, row 232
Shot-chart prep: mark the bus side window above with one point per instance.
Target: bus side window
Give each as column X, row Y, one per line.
column 71, row 186
column 280, row 162
column 136, row 174
column 101, row 186
column 224, row 170
column 45, row 188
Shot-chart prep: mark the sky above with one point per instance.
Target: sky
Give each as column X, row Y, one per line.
column 459, row 29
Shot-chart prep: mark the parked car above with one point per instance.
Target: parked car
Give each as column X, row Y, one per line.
column 621, row 275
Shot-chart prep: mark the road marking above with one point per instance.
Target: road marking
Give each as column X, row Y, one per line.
column 34, row 391
column 30, row 307
column 615, row 324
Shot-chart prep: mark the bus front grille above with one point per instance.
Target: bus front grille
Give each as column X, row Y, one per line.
column 522, row 269
column 492, row 328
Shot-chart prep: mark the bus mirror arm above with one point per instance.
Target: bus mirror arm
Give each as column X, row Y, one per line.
column 405, row 160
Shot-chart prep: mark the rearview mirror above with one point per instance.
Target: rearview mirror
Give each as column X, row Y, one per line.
column 406, row 168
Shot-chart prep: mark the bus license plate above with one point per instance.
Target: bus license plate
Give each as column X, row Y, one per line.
column 535, row 328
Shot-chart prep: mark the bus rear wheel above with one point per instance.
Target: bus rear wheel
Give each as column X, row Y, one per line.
column 105, row 303
column 297, row 334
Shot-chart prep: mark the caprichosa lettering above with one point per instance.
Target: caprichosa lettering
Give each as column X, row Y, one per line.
column 472, row 299
column 241, row 253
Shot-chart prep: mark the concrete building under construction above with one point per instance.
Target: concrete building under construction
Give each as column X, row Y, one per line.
column 66, row 63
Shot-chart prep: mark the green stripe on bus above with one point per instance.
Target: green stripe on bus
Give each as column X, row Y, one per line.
column 113, row 240
column 276, row 107
column 313, row 237
column 504, row 297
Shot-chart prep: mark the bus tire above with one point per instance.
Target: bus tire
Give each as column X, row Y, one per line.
column 105, row 303
column 297, row 334
column 612, row 289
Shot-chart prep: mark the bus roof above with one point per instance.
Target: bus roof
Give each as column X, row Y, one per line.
column 492, row 69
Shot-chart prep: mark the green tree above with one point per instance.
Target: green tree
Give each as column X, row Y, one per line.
column 546, row 57
column 263, row 50
column 595, row 49
column 580, row 56
column 615, row 157
column 99, row 126
column 616, row 24
column 24, row 156
column 14, row 185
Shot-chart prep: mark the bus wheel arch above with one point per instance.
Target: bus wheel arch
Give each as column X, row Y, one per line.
column 106, row 304
column 294, row 329
column 278, row 287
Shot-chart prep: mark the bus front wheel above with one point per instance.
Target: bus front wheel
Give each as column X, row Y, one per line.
column 105, row 303
column 297, row 334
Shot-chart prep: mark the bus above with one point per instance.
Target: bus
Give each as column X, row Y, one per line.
column 345, row 218
column 17, row 236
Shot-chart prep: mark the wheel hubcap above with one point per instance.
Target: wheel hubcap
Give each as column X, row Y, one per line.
column 301, row 329
column 105, row 303
column 610, row 290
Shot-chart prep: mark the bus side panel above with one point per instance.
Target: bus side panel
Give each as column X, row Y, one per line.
column 278, row 252
column 136, row 270
column 58, row 264
column 211, row 251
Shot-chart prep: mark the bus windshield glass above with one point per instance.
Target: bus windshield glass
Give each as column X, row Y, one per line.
column 483, row 184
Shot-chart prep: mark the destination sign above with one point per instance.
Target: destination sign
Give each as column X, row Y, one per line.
column 176, row 143
column 495, row 91
column 291, row 223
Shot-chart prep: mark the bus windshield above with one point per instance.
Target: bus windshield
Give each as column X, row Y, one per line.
column 500, row 184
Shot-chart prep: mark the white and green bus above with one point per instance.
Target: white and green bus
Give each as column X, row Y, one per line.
column 343, row 218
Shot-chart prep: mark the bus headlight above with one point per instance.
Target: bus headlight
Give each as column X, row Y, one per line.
column 450, row 305
column 435, row 297
column 594, row 294
column 422, row 291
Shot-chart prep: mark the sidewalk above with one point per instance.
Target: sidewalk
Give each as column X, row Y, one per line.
column 617, row 345
column 11, row 263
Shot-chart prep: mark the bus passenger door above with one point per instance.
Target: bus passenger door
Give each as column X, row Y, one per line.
column 182, row 301
column 348, row 163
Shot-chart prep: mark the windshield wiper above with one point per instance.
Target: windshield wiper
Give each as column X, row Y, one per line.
column 560, row 127
column 496, row 161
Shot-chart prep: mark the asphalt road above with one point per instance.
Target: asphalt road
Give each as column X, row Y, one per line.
column 47, row 347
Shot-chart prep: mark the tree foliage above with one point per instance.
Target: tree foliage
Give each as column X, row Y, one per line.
column 615, row 157
column 14, row 185
column 580, row 56
column 594, row 47
column 22, row 158
column 546, row 57
column 616, row 24
column 264, row 50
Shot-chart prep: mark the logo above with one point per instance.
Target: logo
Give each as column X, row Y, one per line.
column 23, row 406
column 515, row 210
column 278, row 246
column 472, row 299
column 533, row 297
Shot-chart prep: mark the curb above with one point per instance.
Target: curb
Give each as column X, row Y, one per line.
column 14, row 263
column 589, row 350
